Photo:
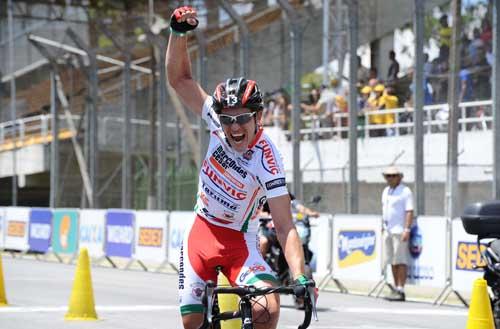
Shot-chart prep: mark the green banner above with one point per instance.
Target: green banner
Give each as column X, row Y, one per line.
column 65, row 231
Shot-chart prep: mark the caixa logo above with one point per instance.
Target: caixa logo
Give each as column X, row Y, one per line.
column 120, row 234
column 356, row 247
column 415, row 244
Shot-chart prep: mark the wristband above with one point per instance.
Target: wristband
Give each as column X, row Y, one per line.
column 302, row 279
column 174, row 32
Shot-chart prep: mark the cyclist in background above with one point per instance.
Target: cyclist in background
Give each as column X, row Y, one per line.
column 266, row 234
column 241, row 170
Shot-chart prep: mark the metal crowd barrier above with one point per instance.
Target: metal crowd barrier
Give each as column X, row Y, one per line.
column 443, row 255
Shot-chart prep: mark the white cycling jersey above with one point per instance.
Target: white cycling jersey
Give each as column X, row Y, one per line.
column 232, row 185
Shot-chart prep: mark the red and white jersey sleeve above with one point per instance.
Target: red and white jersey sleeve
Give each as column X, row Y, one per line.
column 271, row 172
column 232, row 185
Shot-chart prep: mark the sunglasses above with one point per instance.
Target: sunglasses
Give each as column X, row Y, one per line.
column 240, row 119
column 391, row 175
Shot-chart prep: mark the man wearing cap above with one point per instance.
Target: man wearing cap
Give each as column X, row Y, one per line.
column 397, row 215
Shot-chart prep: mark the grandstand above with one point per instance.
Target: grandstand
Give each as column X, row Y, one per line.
column 106, row 108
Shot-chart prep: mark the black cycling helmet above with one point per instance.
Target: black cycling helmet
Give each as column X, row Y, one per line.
column 237, row 93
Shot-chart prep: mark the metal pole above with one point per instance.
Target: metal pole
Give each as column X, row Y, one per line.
column 418, row 96
column 339, row 43
column 54, row 146
column 496, row 100
column 162, row 138
column 126, row 156
column 13, row 111
column 353, row 108
column 203, row 134
column 152, row 201
column 92, row 115
column 244, row 36
column 326, row 41
column 451, row 199
column 296, row 70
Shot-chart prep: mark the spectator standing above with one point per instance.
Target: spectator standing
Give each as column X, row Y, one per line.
column 392, row 73
column 391, row 101
column 375, row 103
column 397, row 215
column 444, row 38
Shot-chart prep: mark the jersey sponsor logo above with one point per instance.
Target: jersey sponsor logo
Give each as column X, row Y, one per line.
column 182, row 276
column 275, row 183
column 268, row 158
column 262, row 200
column 204, row 198
column 226, row 174
column 219, row 198
column 228, row 215
column 251, row 270
column 469, row 256
column 221, row 184
column 227, row 162
column 197, row 289
column 356, row 247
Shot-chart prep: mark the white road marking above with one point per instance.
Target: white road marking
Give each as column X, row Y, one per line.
column 152, row 308
column 355, row 327
column 371, row 310
column 99, row 308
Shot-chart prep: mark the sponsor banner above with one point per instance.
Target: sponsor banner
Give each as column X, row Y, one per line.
column 16, row 228
column 465, row 256
column 320, row 232
column 65, row 231
column 92, row 223
column 119, row 233
column 178, row 223
column 151, row 235
column 40, row 229
column 2, row 227
column 427, row 248
column 357, row 247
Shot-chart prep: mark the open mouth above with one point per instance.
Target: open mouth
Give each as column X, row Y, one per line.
column 238, row 138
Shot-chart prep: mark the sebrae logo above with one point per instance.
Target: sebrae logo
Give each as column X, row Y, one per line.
column 469, row 256
column 356, row 247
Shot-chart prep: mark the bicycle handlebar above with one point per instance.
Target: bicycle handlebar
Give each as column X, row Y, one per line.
column 307, row 291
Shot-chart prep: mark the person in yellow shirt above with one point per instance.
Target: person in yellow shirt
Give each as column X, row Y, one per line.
column 391, row 101
column 375, row 103
column 444, row 37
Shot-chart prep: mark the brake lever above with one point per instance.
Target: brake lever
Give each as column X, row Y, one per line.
column 312, row 294
column 209, row 292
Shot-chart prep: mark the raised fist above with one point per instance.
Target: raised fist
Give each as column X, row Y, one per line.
column 184, row 19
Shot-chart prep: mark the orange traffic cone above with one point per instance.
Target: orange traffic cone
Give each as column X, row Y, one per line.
column 228, row 303
column 81, row 303
column 480, row 315
column 3, row 297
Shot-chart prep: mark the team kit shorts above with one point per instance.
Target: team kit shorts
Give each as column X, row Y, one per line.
column 206, row 246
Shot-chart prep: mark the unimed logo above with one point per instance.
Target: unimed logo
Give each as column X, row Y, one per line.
column 469, row 256
column 120, row 234
column 40, row 231
column 356, row 247
column 16, row 228
column 150, row 236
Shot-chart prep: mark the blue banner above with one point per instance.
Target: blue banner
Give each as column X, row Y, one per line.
column 119, row 233
column 40, row 229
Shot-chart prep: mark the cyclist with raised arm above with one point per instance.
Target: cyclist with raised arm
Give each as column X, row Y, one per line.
column 242, row 169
